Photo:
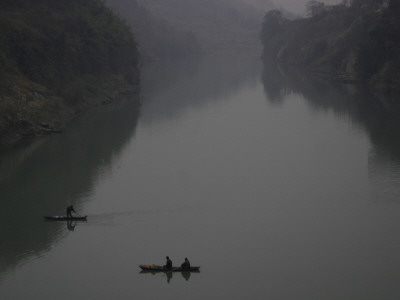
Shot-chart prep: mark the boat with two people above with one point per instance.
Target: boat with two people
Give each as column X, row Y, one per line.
column 156, row 268
column 185, row 267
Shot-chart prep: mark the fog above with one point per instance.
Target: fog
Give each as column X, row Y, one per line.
column 298, row 6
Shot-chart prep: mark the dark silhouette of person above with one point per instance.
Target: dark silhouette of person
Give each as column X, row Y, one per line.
column 69, row 210
column 186, row 264
column 169, row 263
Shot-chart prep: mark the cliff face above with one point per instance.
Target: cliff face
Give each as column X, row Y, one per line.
column 359, row 43
column 57, row 57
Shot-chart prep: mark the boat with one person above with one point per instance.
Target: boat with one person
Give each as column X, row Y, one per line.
column 68, row 217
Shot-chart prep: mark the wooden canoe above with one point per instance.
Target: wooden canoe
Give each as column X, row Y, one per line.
column 65, row 218
column 155, row 268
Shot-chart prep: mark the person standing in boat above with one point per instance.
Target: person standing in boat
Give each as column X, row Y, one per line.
column 69, row 210
column 186, row 264
column 169, row 263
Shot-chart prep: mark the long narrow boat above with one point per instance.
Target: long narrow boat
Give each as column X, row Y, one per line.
column 155, row 268
column 65, row 218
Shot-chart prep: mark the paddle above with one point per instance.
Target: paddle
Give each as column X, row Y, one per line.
column 75, row 213
column 80, row 216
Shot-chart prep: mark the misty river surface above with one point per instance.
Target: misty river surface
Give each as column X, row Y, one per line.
column 277, row 185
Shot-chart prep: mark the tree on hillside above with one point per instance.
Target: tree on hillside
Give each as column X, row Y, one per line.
column 273, row 23
column 314, row 8
column 369, row 4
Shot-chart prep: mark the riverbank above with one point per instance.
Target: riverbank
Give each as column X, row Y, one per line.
column 37, row 112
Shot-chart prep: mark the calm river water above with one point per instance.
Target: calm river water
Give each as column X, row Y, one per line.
column 278, row 185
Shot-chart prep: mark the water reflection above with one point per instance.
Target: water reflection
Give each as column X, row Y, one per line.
column 71, row 225
column 50, row 174
column 377, row 115
column 169, row 274
column 175, row 87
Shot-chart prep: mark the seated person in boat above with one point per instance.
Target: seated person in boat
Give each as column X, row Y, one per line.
column 70, row 209
column 186, row 264
column 169, row 263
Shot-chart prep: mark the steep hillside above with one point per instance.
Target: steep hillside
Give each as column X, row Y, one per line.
column 357, row 43
column 58, row 55
column 156, row 38
column 220, row 25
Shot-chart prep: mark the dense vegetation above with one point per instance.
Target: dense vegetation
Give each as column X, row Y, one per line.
column 58, row 54
column 357, row 42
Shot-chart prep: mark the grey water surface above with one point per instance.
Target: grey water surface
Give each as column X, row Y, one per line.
column 279, row 185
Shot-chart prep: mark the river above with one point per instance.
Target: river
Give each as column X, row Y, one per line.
column 279, row 185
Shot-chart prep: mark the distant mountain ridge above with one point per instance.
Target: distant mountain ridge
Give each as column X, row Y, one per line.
column 219, row 25
column 157, row 39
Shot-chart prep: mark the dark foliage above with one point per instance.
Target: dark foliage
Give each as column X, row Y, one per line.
column 57, row 53
column 51, row 42
column 357, row 42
